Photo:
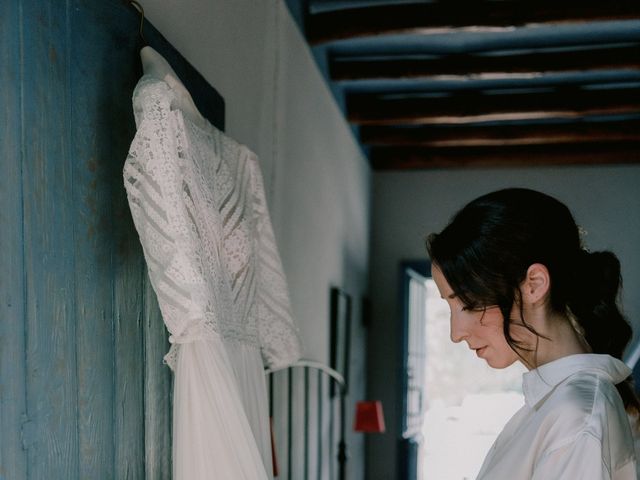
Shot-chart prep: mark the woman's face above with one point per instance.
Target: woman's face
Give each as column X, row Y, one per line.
column 481, row 329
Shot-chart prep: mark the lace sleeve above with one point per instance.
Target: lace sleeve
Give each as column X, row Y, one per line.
column 278, row 335
column 156, row 192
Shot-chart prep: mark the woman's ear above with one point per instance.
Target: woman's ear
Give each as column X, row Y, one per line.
column 536, row 284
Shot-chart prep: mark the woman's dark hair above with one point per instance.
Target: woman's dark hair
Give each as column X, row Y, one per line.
column 485, row 251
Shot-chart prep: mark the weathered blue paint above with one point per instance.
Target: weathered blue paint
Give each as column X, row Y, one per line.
column 12, row 355
column 83, row 391
column 157, row 389
column 49, row 234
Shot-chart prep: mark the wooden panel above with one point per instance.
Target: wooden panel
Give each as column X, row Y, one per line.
column 446, row 16
column 91, row 134
column 118, row 66
column 13, row 463
column 129, row 299
column 158, row 388
column 129, row 354
column 407, row 158
column 501, row 134
column 51, row 435
column 507, row 65
column 75, row 298
column 467, row 107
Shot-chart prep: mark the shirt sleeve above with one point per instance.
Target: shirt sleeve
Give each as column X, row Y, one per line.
column 278, row 335
column 580, row 458
column 159, row 206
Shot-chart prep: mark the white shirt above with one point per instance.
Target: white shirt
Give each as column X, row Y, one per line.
column 573, row 425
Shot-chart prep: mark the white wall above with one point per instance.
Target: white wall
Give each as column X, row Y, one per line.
column 408, row 206
column 317, row 180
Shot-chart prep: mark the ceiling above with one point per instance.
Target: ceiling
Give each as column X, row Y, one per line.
column 461, row 83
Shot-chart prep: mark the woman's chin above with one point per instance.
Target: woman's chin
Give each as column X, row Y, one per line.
column 499, row 363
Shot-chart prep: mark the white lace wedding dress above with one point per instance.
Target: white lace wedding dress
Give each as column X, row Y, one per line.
column 198, row 204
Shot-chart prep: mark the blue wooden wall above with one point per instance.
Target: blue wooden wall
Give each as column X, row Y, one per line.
column 83, row 391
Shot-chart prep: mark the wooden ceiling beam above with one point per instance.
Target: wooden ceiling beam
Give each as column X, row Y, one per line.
column 494, row 135
column 451, row 15
column 412, row 158
column 508, row 65
column 468, row 107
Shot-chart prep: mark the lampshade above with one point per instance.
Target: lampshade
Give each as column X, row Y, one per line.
column 369, row 417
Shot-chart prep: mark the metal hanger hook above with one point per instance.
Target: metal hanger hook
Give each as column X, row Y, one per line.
column 138, row 7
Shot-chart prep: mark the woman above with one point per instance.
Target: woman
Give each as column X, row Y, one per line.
column 521, row 287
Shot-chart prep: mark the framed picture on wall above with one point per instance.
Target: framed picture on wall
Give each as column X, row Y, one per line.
column 340, row 334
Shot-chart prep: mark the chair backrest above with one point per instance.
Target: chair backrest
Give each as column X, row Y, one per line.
column 307, row 407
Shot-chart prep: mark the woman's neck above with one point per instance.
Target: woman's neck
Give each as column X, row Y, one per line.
column 557, row 339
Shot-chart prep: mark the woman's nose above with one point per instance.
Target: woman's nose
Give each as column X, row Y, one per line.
column 458, row 333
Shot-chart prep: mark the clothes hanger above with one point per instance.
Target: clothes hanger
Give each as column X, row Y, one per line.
column 140, row 10
column 184, row 100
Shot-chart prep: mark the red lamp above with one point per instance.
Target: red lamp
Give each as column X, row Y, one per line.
column 369, row 417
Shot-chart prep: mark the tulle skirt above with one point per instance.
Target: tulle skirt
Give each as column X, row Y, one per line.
column 220, row 413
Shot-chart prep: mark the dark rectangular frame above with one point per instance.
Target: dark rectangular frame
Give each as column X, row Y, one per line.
column 341, row 305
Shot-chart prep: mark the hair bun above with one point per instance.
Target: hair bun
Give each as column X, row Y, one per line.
column 598, row 275
column 595, row 288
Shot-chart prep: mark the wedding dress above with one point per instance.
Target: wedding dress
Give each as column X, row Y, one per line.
column 198, row 204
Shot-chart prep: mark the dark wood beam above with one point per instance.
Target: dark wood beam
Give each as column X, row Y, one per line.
column 451, row 15
column 500, row 135
column 411, row 158
column 508, row 65
column 468, row 107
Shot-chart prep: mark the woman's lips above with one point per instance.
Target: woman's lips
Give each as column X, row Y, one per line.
column 480, row 350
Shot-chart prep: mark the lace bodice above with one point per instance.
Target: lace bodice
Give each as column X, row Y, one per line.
column 197, row 200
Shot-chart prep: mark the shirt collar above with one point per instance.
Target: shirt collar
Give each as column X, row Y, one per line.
column 538, row 383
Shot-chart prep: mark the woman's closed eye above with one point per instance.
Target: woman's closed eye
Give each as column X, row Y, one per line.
column 473, row 308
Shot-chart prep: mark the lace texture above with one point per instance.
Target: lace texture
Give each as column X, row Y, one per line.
column 198, row 204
